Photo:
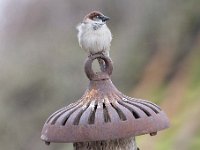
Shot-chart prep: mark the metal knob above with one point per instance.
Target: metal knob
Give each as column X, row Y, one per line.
column 103, row 113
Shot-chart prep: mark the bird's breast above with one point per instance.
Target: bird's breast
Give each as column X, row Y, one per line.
column 96, row 40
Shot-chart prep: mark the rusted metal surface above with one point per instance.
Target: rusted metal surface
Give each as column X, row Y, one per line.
column 103, row 113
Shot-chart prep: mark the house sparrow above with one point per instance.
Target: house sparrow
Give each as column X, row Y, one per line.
column 93, row 34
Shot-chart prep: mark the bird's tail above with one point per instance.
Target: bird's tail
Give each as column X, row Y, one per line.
column 102, row 64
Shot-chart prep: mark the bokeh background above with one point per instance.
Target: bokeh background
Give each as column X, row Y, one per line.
column 156, row 55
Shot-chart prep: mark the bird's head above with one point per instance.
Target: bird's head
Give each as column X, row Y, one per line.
column 95, row 16
column 96, row 19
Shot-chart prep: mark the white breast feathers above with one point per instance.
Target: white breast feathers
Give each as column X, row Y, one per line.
column 94, row 41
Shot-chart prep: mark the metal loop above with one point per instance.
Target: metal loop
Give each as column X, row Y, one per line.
column 98, row 75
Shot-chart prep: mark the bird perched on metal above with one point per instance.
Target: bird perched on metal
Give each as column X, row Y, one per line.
column 94, row 36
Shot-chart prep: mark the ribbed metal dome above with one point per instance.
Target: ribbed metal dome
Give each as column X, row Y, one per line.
column 103, row 113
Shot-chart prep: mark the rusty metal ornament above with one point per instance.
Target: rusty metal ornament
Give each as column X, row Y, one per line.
column 103, row 113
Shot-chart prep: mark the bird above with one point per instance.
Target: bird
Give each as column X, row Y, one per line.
column 94, row 36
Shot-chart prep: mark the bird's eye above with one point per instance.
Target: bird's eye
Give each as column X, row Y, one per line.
column 98, row 16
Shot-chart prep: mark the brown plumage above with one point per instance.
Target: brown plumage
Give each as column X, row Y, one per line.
column 93, row 14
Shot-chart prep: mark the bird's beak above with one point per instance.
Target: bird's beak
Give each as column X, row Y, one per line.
column 104, row 18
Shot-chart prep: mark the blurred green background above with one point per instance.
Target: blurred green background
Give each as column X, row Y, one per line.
column 156, row 55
